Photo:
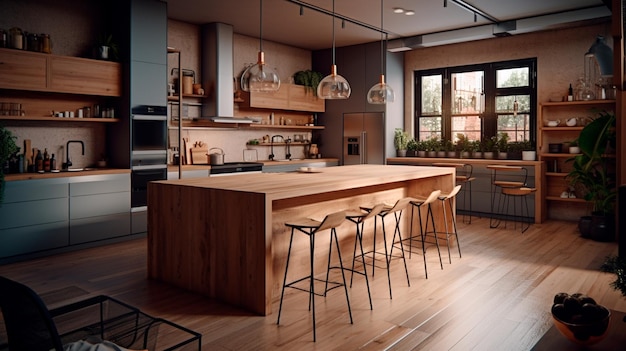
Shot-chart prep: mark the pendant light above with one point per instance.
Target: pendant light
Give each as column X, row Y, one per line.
column 333, row 86
column 381, row 93
column 259, row 77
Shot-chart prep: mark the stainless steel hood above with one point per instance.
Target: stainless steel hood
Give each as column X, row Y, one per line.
column 217, row 71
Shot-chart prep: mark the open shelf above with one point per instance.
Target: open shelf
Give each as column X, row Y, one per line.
column 58, row 119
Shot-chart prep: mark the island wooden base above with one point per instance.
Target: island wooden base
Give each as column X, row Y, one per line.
column 225, row 237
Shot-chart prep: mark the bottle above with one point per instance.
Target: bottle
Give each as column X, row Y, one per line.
column 46, row 45
column 570, row 93
column 53, row 163
column 38, row 162
column 46, row 161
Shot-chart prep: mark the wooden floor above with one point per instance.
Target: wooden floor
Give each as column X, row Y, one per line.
column 496, row 297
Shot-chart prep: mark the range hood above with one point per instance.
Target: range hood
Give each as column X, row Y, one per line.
column 217, row 73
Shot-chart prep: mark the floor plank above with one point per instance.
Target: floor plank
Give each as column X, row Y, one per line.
column 496, row 297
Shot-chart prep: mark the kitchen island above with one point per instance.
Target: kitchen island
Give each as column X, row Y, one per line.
column 225, row 238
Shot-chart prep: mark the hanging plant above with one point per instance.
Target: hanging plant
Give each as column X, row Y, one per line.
column 308, row 78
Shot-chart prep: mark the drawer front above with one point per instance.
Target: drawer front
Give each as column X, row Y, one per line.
column 91, row 185
column 33, row 190
column 22, row 240
column 99, row 205
column 20, row 214
column 99, row 228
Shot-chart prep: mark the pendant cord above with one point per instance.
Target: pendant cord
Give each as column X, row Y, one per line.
column 333, row 32
column 382, row 63
column 261, row 26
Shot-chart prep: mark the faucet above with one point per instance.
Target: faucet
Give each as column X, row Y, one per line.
column 68, row 164
column 271, row 156
column 288, row 152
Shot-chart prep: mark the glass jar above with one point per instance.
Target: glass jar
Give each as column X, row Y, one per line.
column 3, row 38
column 16, row 38
column 33, row 42
column 46, row 45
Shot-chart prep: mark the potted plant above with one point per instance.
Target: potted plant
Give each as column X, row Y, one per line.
column 593, row 174
column 400, row 141
column 309, row 79
column 502, row 145
column 528, row 150
column 476, row 148
column 106, row 48
column 462, row 145
column 411, row 148
column 7, row 149
column 449, row 148
column 489, row 147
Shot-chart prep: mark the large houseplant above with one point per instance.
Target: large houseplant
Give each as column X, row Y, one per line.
column 7, row 149
column 593, row 174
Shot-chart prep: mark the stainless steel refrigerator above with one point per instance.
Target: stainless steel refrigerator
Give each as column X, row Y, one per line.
column 363, row 138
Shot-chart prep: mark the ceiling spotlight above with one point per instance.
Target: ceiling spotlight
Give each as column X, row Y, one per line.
column 409, row 12
column 398, row 10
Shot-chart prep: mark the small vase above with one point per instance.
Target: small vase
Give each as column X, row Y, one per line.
column 401, row 153
column 103, row 52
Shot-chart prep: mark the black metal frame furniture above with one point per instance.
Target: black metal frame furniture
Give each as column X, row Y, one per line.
column 449, row 198
column 310, row 227
column 359, row 218
column 31, row 326
column 510, row 194
column 396, row 209
column 507, row 181
column 464, row 176
column 419, row 203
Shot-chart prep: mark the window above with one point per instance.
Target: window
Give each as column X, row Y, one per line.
column 479, row 101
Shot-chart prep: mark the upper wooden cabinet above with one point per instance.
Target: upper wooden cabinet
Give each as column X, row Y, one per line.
column 23, row 70
column 288, row 97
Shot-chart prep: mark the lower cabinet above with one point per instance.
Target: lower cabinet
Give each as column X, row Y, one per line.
column 49, row 214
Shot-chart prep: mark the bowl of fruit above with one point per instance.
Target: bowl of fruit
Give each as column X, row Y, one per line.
column 579, row 318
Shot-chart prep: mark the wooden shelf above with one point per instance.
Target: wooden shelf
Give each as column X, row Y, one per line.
column 557, row 174
column 175, row 97
column 560, row 155
column 58, row 119
column 562, row 129
column 574, row 103
column 274, row 126
column 279, row 144
column 558, row 198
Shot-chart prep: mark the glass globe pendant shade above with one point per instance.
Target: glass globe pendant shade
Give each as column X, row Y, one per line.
column 380, row 93
column 333, row 86
column 260, row 78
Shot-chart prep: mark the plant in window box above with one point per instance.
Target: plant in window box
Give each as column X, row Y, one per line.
column 411, row 148
column 490, row 147
column 528, row 150
column 449, row 148
column 514, row 150
column 463, row 145
column 502, row 145
column 476, row 148
column 421, row 148
column 593, row 175
column 400, row 141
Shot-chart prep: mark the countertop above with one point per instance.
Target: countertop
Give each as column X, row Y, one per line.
column 50, row 175
column 266, row 163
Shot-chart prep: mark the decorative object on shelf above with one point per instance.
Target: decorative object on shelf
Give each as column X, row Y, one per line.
column 333, row 86
column 259, row 77
column 571, row 122
column 308, row 78
column 106, row 48
column 553, row 123
column 529, row 153
column 400, row 141
column 7, row 149
column 381, row 93
column 593, row 174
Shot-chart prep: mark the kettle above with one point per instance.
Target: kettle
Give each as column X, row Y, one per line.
column 216, row 159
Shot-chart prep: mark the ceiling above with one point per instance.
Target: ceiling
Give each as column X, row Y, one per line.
column 298, row 23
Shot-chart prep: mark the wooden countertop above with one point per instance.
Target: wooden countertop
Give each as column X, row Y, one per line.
column 266, row 163
column 324, row 179
column 49, row 175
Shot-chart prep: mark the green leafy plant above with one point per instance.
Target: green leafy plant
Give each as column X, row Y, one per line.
column 7, row 149
column 617, row 266
column 400, row 139
column 592, row 170
column 502, row 142
column 308, row 78
column 107, row 40
column 412, row 145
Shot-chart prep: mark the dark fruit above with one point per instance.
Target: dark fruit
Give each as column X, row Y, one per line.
column 560, row 312
column 558, row 298
column 572, row 305
column 587, row 299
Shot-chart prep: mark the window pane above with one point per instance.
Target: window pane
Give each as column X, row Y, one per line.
column 470, row 126
column 512, row 77
column 467, row 89
column 430, row 127
column 507, row 103
column 431, row 94
column 516, row 126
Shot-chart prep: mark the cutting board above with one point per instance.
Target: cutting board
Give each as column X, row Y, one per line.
column 198, row 155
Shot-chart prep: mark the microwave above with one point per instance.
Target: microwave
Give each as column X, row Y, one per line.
column 149, row 128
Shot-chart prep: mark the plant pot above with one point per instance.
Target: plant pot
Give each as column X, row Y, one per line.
column 602, row 227
column 503, row 155
column 103, row 52
column 477, row 154
column 488, row 155
column 529, row 155
column 574, row 149
column 451, row 154
column 421, row 153
column 584, row 226
column 432, row 154
column 465, row 154
column 411, row 153
column 441, row 154
column 401, row 153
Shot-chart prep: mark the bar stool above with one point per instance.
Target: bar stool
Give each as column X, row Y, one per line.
column 449, row 198
column 396, row 210
column 464, row 177
column 419, row 203
column 521, row 194
column 504, row 179
column 310, row 227
column 359, row 218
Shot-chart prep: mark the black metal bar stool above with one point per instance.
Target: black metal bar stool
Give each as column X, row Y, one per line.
column 359, row 218
column 419, row 203
column 521, row 194
column 464, row 177
column 396, row 210
column 310, row 227
column 449, row 198
column 504, row 177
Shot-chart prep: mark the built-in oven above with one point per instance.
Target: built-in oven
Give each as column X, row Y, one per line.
column 149, row 151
